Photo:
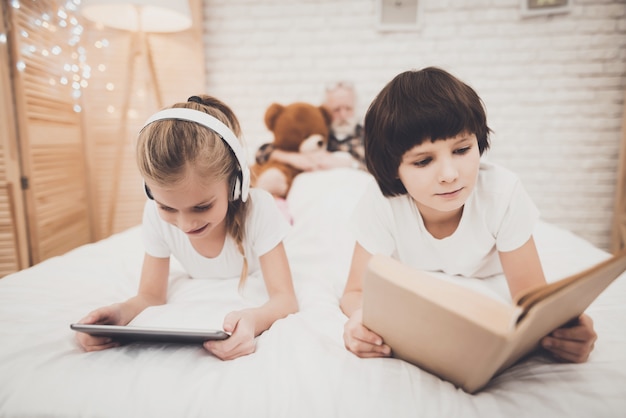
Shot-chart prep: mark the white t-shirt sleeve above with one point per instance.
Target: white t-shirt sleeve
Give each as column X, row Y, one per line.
column 518, row 222
column 153, row 232
column 500, row 216
column 373, row 224
column 265, row 228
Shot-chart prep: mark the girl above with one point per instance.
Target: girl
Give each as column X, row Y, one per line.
column 201, row 211
column 437, row 207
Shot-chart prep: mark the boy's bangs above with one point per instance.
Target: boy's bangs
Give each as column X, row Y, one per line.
column 422, row 126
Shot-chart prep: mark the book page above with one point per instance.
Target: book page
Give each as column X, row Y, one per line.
column 533, row 295
column 562, row 301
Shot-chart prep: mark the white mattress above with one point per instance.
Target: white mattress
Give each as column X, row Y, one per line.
column 300, row 367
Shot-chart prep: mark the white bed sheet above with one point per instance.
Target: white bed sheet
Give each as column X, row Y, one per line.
column 300, row 367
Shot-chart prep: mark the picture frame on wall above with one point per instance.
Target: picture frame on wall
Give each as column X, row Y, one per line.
column 398, row 15
column 545, row 7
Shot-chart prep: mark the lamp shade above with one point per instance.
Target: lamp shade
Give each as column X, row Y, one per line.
column 139, row 15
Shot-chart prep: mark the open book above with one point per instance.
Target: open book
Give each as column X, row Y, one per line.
column 462, row 335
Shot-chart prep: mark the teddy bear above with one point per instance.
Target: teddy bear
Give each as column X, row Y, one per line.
column 296, row 127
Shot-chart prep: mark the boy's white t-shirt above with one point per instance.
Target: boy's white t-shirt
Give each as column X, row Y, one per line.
column 498, row 216
column 265, row 228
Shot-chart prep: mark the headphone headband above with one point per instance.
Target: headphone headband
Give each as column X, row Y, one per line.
column 217, row 126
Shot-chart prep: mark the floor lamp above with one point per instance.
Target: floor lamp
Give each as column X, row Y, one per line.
column 139, row 17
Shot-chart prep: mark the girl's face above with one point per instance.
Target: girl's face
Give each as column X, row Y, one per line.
column 441, row 175
column 197, row 209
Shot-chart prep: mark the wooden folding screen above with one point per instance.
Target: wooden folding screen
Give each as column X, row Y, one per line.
column 13, row 239
column 67, row 169
column 49, row 128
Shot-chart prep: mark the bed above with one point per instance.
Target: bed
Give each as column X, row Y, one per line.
column 300, row 367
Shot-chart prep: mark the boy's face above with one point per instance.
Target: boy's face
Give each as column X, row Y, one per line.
column 195, row 208
column 441, row 175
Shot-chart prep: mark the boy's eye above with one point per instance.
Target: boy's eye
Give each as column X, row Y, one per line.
column 462, row 151
column 422, row 163
column 166, row 209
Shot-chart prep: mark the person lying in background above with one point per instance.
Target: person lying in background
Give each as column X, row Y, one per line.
column 346, row 135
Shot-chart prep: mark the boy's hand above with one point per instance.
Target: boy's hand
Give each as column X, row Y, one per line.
column 361, row 341
column 572, row 342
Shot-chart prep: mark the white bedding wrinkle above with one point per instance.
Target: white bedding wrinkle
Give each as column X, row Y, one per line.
column 300, row 367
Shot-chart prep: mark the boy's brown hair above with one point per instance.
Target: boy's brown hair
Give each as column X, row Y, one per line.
column 417, row 106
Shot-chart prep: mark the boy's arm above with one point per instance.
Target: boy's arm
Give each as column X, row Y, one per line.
column 522, row 268
column 352, row 298
column 357, row 338
column 572, row 342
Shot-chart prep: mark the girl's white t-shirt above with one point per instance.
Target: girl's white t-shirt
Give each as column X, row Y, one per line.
column 498, row 216
column 265, row 228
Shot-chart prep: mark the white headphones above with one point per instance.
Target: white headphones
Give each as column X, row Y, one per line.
column 242, row 181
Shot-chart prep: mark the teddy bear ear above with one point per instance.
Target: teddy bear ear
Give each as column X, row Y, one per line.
column 326, row 114
column 271, row 114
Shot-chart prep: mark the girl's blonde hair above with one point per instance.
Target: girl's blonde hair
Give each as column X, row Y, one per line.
column 167, row 148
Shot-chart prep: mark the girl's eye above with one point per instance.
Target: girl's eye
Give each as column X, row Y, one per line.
column 423, row 163
column 203, row 208
column 462, row 151
column 166, row 209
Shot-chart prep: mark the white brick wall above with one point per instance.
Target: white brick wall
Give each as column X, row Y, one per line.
column 553, row 86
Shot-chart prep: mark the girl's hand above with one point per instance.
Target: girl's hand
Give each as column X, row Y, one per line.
column 241, row 341
column 572, row 342
column 108, row 315
column 361, row 341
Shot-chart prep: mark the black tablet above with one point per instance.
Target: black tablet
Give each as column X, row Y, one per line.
column 129, row 333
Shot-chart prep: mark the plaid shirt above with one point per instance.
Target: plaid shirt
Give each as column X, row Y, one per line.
column 353, row 144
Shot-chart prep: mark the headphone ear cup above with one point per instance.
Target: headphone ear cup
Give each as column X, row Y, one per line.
column 148, row 192
column 236, row 188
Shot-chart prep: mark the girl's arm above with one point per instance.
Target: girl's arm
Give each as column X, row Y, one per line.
column 522, row 269
column 357, row 338
column 282, row 297
column 152, row 288
column 246, row 324
column 152, row 291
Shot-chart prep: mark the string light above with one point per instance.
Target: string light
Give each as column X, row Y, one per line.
column 76, row 71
